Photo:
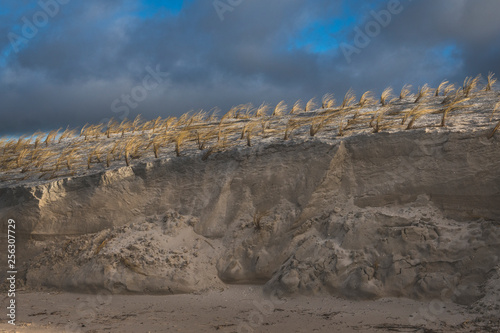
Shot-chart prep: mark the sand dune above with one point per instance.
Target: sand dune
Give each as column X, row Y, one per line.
column 400, row 213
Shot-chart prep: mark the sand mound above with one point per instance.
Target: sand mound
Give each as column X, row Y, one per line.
column 158, row 255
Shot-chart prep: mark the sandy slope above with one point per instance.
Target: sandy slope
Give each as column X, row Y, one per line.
column 401, row 213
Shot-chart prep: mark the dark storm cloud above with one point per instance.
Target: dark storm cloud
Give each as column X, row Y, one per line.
column 94, row 52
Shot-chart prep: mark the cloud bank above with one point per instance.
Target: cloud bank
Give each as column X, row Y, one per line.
column 67, row 62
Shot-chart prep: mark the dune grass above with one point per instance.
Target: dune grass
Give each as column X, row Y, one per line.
column 54, row 154
column 311, row 105
column 386, row 94
column 491, row 81
column 405, row 91
column 366, row 99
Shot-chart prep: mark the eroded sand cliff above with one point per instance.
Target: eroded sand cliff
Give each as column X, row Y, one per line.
column 406, row 213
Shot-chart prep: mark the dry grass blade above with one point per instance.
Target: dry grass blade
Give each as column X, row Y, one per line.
column 311, row 105
column 442, row 86
column 202, row 137
column 243, row 111
column 491, row 81
column 84, row 128
column 317, row 124
column 111, row 127
column 179, row 140
column 213, row 116
column 349, row 99
column 201, row 116
column 156, row 123
column 136, row 123
column 422, row 93
column 366, row 99
column 249, row 132
column 21, row 157
column 290, row 126
column 453, row 106
column 328, row 101
column 386, row 94
column 21, row 143
column 67, row 134
column 125, row 126
column 470, row 84
column 51, row 137
column 448, row 89
column 405, row 91
column 38, row 138
column 169, row 123
column 417, row 115
column 378, row 122
column 410, row 113
column 497, row 105
column 297, row 107
column 494, row 131
column 230, row 114
column 262, row 110
column 280, row 109
column 131, row 146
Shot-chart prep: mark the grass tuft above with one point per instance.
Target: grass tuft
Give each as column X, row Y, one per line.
column 311, row 105
column 497, row 105
column 453, row 106
column 386, row 94
column 366, row 99
column 297, row 107
column 405, row 91
column 51, row 137
column 328, row 101
column 179, row 140
column 442, row 86
column 318, row 122
column 280, row 109
column 491, row 81
column 349, row 99
column 417, row 114
column 262, row 110
column 470, row 84
column 423, row 92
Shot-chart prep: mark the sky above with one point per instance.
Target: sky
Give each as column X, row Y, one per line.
column 68, row 62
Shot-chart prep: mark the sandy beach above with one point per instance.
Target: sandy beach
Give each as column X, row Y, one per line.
column 237, row 309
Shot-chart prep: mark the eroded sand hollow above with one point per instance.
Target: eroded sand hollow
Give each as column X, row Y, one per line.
column 413, row 214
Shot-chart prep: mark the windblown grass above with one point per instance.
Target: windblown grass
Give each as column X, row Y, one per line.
column 441, row 88
column 349, row 99
column 262, row 110
column 114, row 144
column 386, row 94
column 297, row 107
column 423, row 92
column 311, row 105
column 328, row 101
column 280, row 109
column 470, row 85
column 405, row 91
column 491, row 81
column 367, row 99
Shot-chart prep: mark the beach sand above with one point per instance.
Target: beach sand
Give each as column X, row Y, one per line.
column 237, row 308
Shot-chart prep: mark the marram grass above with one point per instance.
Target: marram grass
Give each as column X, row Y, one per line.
column 96, row 147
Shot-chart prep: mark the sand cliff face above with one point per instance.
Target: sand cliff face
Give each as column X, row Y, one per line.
column 412, row 213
